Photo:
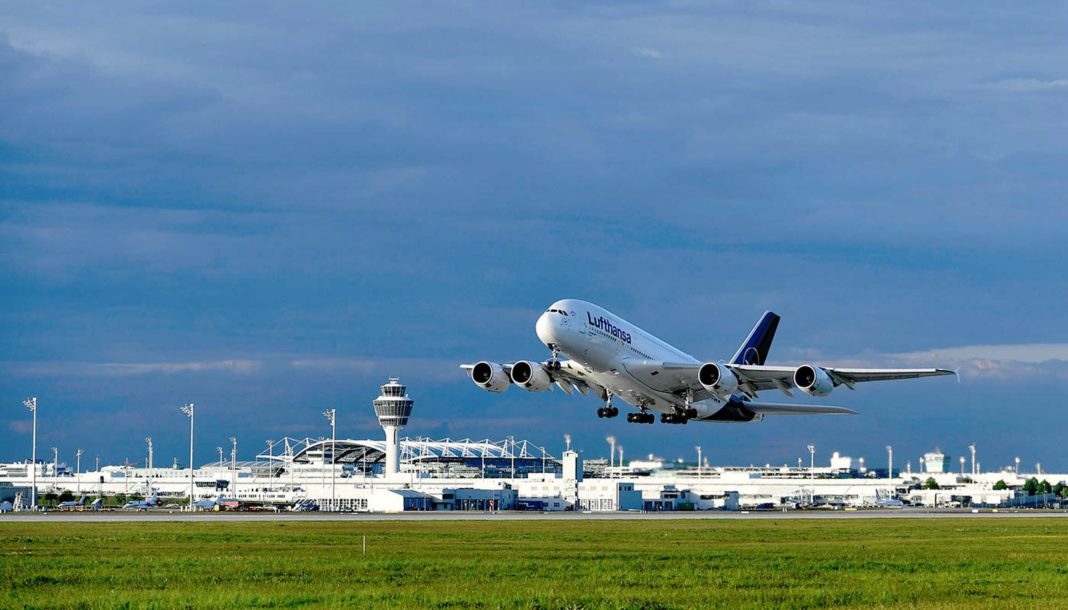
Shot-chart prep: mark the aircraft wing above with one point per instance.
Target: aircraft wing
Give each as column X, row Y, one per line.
column 678, row 378
column 770, row 408
column 755, row 378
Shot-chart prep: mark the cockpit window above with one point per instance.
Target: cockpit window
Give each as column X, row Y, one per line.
column 559, row 311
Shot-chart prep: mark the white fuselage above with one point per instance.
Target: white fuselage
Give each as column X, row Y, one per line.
column 600, row 345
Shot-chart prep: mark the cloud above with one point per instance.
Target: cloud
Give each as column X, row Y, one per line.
column 425, row 369
column 1004, row 362
column 648, row 53
column 124, row 369
column 1030, row 84
column 1030, row 353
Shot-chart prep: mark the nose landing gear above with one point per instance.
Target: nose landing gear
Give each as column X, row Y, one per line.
column 554, row 362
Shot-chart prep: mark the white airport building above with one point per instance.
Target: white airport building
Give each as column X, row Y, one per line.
column 397, row 474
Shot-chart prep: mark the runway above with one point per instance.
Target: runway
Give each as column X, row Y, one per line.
column 225, row 517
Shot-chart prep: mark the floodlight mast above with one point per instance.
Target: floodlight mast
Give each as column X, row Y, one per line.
column 148, row 440
column 233, row 465
column 190, row 410
column 611, row 454
column 698, row 461
column 331, row 415
column 31, row 404
column 78, row 461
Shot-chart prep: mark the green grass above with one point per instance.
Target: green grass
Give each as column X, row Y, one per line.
column 952, row 563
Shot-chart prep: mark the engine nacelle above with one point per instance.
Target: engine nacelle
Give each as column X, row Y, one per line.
column 813, row 380
column 490, row 376
column 531, row 376
column 717, row 378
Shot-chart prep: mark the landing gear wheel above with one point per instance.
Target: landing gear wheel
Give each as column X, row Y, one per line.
column 601, row 412
column 611, row 412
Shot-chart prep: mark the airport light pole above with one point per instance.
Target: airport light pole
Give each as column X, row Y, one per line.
column 611, row 454
column 812, row 473
column 1017, row 465
column 511, row 440
column 331, row 414
column 233, row 464
column 621, row 461
column 972, row 449
column 890, row 462
column 270, row 459
column 219, row 449
column 148, row 441
column 78, row 461
column 190, row 410
column 962, row 466
column 698, row 461
column 31, row 404
column 567, row 442
column 55, row 466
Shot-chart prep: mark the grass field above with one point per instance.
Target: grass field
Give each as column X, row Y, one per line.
column 958, row 563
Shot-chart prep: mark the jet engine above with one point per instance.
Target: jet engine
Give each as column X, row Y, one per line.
column 490, row 376
column 531, row 376
column 717, row 378
column 813, row 380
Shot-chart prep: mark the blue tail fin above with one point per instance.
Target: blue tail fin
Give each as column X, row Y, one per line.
column 757, row 345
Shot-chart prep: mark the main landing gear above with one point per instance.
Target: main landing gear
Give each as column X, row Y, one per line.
column 673, row 418
column 681, row 415
column 643, row 417
column 607, row 410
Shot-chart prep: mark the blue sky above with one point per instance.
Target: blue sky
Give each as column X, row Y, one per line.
column 266, row 209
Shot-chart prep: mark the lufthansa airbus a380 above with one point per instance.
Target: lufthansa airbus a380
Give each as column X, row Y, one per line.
column 613, row 358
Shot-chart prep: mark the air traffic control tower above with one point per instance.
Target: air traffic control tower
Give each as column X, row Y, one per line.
column 393, row 408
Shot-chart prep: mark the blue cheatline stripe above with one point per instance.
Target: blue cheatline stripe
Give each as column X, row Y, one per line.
column 758, row 343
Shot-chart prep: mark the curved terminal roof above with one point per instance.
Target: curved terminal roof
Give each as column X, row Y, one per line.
column 352, row 451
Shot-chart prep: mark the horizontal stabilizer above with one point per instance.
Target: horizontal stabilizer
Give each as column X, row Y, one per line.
column 769, row 408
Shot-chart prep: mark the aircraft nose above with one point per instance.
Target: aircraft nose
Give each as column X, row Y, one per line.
column 545, row 329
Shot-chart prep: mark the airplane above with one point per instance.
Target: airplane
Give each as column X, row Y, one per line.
column 151, row 502
column 72, row 504
column 611, row 357
column 209, row 504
